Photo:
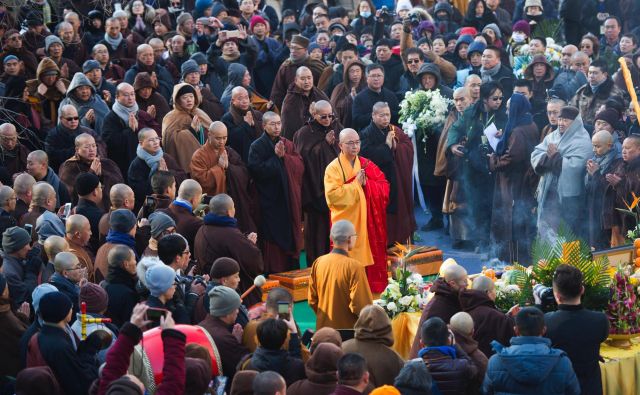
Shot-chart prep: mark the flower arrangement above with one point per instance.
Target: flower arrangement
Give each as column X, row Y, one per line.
column 633, row 211
column 423, row 111
column 623, row 307
column 507, row 295
column 402, row 294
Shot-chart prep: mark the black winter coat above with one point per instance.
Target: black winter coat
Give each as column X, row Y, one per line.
column 60, row 144
column 363, row 106
column 121, row 288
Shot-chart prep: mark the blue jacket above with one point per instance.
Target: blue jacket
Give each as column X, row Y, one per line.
column 529, row 366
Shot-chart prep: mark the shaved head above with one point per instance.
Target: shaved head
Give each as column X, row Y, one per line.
column 454, row 273
column 23, row 184
column 461, row 92
column 483, row 283
column 602, row 137
column 189, row 189
column 462, row 322
column 221, row 204
column 217, row 126
column 75, row 223
column 238, row 90
column 379, row 106
column 65, row 261
column 303, row 70
column 341, row 231
column 322, row 105
column 54, row 245
column 119, row 193
column 347, row 134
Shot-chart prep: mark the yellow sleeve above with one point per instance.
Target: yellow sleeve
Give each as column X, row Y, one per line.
column 338, row 194
column 360, row 293
column 312, row 293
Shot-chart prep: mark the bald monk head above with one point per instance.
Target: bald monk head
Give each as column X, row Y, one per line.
column 456, row 277
column 272, row 124
column 222, row 205
column 191, row 191
column 54, row 245
column 631, row 148
column 322, row 112
column 602, row 142
column 349, row 143
column 122, row 196
column 240, row 98
column 217, row 135
column 343, row 235
column 304, row 79
column 462, row 322
column 484, row 284
column 8, row 136
column 68, row 265
column 78, row 229
column 461, row 99
column 8, row 198
column 44, row 196
column 23, row 186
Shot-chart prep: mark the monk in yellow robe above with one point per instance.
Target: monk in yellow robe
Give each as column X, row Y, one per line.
column 356, row 190
column 338, row 287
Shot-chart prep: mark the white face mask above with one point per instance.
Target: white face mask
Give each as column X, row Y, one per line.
column 365, row 14
column 518, row 37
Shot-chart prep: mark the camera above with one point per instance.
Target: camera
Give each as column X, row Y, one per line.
column 149, row 206
column 545, row 295
column 386, row 16
column 415, row 19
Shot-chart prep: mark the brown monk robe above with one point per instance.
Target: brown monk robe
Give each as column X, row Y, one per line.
column 625, row 181
column 220, row 169
column 396, row 162
column 317, row 143
column 300, row 95
column 341, row 97
column 86, row 160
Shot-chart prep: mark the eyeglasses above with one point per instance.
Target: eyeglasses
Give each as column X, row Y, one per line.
column 352, row 143
column 497, row 98
column 69, row 119
column 174, row 5
column 413, row 61
column 326, row 116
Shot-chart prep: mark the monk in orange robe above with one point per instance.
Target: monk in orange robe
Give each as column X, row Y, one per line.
column 356, row 190
column 338, row 287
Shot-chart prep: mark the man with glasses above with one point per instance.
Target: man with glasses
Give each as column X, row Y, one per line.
column 87, row 158
column 12, row 45
column 390, row 148
column 277, row 171
column 69, row 277
column 13, row 155
column 317, row 143
column 373, row 93
column 338, row 296
column 355, row 187
column 298, row 56
column 149, row 159
column 296, row 104
column 113, row 73
column 409, row 80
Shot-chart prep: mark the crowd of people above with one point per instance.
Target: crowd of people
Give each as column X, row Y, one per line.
column 159, row 155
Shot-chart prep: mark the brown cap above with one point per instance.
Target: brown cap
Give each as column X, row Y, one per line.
column 300, row 40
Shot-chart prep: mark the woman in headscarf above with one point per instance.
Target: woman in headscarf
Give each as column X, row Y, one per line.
column 239, row 75
column 512, row 222
column 321, row 371
column 479, row 15
column 184, row 129
column 342, row 96
column 147, row 96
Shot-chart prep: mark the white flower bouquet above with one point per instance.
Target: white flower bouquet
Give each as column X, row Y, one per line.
column 403, row 294
column 423, row 111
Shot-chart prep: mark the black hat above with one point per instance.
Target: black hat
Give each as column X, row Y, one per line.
column 54, row 307
column 86, row 183
column 569, row 112
column 186, row 89
column 34, row 18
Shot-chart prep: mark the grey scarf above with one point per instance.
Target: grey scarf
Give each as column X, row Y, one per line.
column 113, row 42
column 153, row 161
column 123, row 112
column 487, row 74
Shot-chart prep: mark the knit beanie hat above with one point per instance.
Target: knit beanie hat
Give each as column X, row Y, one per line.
column 385, row 390
column 159, row 223
column 217, row 9
column 202, row 5
column 255, row 20
column 86, row 183
column 495, row 28
column 569, row 112
column 224, row 267
column 54, row 307
column 188, row 67
column 50, row 40
column 522, row 26
column 122, row 220
column 300, row 40
column 533, row 3
column 95, row 297
column 609, row 115
column 470, row 30
column 182, row 18
column 14, row 238
column 39, row 292
column 9, row 58
column 200, row 58
column 90, row 65
column 159, row 279
column 222, row 301
column 476, row 46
